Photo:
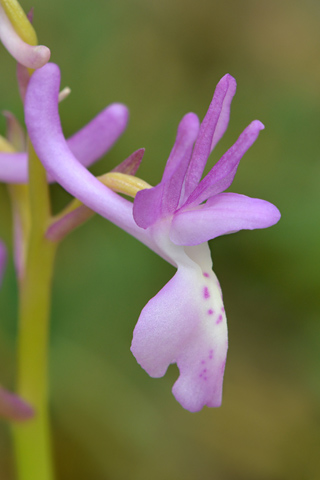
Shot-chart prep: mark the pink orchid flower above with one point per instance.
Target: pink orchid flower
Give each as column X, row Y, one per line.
column 185, row 322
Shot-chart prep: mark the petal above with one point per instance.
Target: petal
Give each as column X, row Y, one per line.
column 222, row 214
column 185, row 323
column 44, row 128
column 3, row 260
column 28, row 55
column 222, row 174
column 212, row 129
column 88, row 144
column 99, row 135
column 154, row 203
column 13, row 167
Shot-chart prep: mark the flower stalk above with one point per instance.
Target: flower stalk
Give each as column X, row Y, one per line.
column 32, row 439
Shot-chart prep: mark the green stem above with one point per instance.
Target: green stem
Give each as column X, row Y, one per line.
column 32, row 438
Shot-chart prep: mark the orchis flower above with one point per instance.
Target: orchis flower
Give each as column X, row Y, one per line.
column 185, row 322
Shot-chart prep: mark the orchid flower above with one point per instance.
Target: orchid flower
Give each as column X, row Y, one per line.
column 185, row 323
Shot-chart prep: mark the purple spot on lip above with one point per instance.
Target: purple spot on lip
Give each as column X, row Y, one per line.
column 219, row 319
column 206, row 292
column 206, row 274
column 210, row 312
column 203, row 362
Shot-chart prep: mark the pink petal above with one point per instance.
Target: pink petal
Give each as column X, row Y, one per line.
column 13, row 167
column 222, row 214
column 99, row 135
column 185, row 323
column 28, row 55
column 88, row 144
column 212, row 129
column 222, row 174
column 154, row 203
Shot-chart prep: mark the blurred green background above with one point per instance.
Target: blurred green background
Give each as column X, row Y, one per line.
column 163, row 59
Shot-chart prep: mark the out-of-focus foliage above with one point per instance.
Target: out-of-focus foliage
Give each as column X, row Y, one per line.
column 163, row 59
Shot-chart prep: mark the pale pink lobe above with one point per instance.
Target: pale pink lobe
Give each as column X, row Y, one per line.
column 175, row 327
column 212, row 129
column 30, row 56
column 159, row 201
column 222, row 214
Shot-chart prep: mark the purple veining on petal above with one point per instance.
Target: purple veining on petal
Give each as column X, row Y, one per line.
column 206, row 293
